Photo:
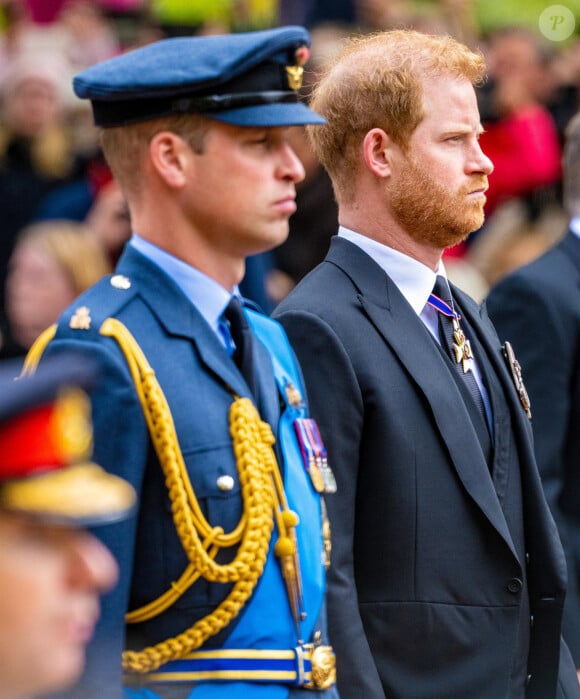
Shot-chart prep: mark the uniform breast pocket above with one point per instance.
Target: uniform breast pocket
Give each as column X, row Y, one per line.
column 215, row 482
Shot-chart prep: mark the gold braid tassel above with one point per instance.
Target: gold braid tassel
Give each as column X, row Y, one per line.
column 286, row 549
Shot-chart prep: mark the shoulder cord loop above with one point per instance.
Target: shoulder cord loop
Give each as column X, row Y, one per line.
column 36, row 351
column 264, row 502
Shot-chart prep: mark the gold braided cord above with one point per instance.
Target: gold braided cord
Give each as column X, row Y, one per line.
column 36, row 351
column 255, row 459
column 261, row 497
column 263, row 500
column 162, row 429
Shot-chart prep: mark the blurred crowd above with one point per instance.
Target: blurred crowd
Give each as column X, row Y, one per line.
column 63, row 220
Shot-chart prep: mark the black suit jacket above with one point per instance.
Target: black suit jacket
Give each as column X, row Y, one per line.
column 430, row 586
column 537, row 308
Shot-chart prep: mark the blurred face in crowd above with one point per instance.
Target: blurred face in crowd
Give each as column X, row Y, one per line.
column 38, row 289
column 515, row 60
column 438, row 188
column 109, row 219
column 50, row 581
column 31, row 106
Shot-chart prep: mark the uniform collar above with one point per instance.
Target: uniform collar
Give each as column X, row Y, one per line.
column 209, row 297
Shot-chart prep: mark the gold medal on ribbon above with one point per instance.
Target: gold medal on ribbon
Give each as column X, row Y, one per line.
column 316, row 476
column 462, row 348
column 314, row 455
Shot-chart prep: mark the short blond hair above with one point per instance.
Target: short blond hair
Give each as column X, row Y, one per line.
column 124, row 146
column 376, row 82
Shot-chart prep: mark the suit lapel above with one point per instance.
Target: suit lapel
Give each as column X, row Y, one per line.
column 499, row 408
column 410, row 340
column 521, row 425
column 570, row 245
column 487, row 337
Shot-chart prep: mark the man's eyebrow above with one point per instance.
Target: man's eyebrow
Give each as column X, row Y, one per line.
column 462, row 129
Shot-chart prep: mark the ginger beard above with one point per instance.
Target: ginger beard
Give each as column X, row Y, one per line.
column 431, row 213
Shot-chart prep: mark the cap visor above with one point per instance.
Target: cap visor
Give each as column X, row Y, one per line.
column 81, row 495
column 269, row 115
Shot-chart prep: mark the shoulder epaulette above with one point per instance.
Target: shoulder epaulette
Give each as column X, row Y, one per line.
column 104, row 300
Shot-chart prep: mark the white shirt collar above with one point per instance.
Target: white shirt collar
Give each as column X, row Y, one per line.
column 413, row 279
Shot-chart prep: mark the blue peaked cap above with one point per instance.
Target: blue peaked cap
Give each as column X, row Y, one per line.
column 247, row 79
column 18, row 396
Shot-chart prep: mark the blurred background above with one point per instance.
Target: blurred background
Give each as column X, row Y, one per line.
column 63, row 221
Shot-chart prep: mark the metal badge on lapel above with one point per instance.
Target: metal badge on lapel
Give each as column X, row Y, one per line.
column 516, row 372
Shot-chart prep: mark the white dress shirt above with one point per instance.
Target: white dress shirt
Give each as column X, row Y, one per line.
column 415, row 281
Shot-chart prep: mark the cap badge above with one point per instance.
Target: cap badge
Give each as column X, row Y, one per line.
column 72, row 424
column 81, row 320
column 516, row 372
column 296, row 72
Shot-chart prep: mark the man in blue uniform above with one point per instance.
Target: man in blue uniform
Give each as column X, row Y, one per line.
column 222, row 571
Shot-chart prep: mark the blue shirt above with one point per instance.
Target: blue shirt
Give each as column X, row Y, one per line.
column 209, row 297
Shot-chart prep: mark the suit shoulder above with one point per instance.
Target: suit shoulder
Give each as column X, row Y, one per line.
column 317, row 290
column 552, row 272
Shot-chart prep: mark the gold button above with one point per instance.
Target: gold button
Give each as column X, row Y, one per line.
column 119, row 281
column 225, row 483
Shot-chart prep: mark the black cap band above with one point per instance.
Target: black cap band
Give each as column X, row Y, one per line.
column 122, row 112
column 216, row 103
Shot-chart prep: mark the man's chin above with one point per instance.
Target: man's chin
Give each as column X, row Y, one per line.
column 473, row 224
column 461, row 235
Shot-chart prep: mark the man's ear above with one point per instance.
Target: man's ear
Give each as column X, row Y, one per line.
column 170, row 155
column 377, row 152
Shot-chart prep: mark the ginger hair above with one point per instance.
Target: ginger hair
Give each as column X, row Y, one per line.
column 376, row 81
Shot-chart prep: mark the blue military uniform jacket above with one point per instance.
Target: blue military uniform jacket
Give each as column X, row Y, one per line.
column 199, row 380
